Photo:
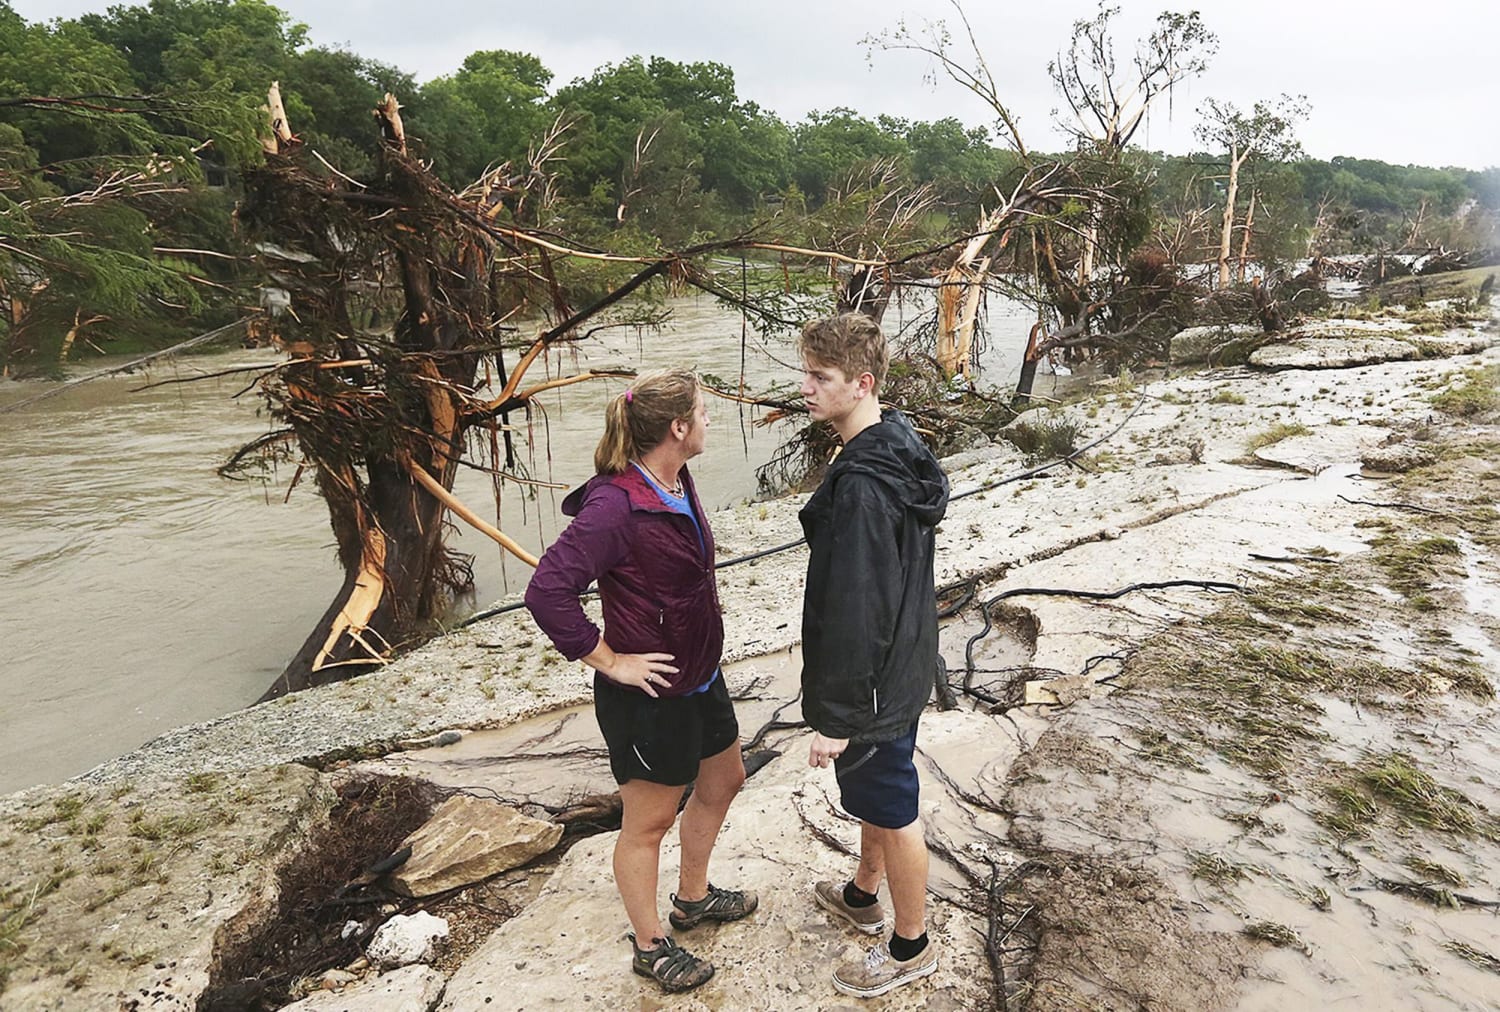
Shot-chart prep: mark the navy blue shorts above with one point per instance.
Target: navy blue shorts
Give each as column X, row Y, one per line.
column 662, row 740
column 878, row 781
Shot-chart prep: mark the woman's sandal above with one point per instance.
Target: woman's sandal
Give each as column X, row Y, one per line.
column 670, row 965
column 718, row 905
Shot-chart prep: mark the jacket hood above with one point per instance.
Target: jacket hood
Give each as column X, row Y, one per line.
column 641, row 495
column 892, row 452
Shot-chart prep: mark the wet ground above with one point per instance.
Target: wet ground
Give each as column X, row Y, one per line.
column 1274, row 787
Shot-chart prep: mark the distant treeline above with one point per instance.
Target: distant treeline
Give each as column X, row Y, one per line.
column 653, row 152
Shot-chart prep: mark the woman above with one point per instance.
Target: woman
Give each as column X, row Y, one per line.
column 660, row 699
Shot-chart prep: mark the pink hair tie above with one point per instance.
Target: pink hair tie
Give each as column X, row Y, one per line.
column 629, row 396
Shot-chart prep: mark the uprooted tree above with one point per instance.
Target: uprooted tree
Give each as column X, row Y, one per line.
column 381, row 422
column 384, row 421
column 1266, row 132
column 1064, row 235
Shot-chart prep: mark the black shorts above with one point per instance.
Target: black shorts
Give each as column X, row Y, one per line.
column 878, row 781
column 663, row 740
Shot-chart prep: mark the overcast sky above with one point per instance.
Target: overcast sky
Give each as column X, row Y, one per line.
column 1402, row 82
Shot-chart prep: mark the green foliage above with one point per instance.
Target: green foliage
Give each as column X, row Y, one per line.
column 1046, row 439
column 101, row 137
column 486, row 113
column 1475, row 393
column 659, row 153
column 329, row 94
column 827, row 144
column 643, row 128
column 1275, row 434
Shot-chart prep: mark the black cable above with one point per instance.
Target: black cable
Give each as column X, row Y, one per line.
column 1019, row 476
column 1093, row 595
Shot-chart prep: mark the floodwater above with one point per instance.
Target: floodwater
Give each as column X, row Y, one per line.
column 141, row 591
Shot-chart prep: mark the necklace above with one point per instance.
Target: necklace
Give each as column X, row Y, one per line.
column 676, row 489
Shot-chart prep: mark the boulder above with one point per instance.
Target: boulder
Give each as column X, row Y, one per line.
column 415, row 988
column 1397, row 458
column 468, row 839
column 407, row 939
column 1196, row 343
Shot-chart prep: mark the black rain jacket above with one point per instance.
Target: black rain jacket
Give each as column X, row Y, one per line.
column 869, row 612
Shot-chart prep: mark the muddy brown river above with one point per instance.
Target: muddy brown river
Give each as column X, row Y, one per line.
column 139, row 591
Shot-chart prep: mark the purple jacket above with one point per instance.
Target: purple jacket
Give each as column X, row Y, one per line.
column 657, row 584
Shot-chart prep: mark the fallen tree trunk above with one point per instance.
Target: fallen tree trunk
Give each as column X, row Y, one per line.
column 370, row 418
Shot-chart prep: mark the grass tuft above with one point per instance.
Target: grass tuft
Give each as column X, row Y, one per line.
column 1275, row 434
column 1395, row 779
column 1277, row 934
column 1044, row 440
column 1217, row 869
column 1391, row 781
column 1475, row 393
column 1432, row 871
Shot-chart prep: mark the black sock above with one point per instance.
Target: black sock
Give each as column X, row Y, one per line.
column 903, row 949
column 854, row 896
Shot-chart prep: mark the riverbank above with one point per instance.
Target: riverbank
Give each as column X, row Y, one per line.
column 195, row 591
column 1284, row 793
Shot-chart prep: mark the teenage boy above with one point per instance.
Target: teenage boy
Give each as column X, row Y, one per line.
column 869, row 639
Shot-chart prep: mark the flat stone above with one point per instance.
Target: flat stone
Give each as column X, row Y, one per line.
column 1343, row 328
column 1455, row 342
column 1332, row 352
column 415, row 988
column 1060, row 691
column 1323, row 448
column 467, row 840
column 333, row 980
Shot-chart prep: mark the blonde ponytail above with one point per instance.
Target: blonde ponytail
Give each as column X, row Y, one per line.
column 640, row 417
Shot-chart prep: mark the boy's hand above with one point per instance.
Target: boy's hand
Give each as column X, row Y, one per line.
column 825, row 750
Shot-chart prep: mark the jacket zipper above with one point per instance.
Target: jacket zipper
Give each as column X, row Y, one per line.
column 875, row 699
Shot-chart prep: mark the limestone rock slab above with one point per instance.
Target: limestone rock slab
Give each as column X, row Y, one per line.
column 468, row 839
column 1454, row 342
column 128, row 895
column 415, row 988
column 1398, row 458
column 1324, row 448
column 567, row 948
column 1332, row 352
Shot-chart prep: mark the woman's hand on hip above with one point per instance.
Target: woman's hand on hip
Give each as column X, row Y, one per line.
column 641, row 671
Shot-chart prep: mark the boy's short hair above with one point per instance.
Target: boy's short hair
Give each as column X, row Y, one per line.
column 850, row 342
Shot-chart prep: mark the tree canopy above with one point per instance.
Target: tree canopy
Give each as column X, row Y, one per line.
column 124, row 133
